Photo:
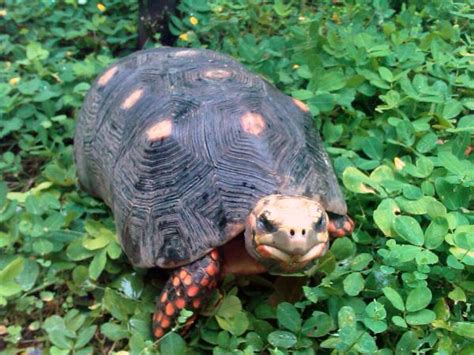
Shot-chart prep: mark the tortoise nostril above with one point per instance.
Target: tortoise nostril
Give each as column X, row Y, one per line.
column 303, row 231
column 292, row 232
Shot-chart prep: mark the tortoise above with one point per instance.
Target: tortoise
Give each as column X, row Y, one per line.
column 208, row 169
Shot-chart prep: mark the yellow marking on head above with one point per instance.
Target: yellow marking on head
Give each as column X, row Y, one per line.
column 252, row 123
column 160, row 130
column 105, row 78
column 301, row 105
column 132, row 99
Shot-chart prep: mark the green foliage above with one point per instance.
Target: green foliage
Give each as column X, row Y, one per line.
column 390, row 87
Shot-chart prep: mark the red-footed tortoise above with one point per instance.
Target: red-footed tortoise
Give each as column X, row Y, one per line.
column 190, row 150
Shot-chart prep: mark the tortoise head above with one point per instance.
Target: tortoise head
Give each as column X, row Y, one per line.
column 284, row 233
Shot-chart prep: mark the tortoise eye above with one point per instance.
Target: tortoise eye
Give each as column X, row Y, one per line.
column 320, row 225
column 264, row 224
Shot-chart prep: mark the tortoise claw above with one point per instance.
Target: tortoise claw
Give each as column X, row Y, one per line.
column 340, row 226
column 188, row 287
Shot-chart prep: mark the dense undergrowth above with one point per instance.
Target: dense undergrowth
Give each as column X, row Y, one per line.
column 390, row 86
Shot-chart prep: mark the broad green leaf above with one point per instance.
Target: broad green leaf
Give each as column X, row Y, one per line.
column 464, row 329
column 114, row 332
column 229, row 307
column 353, row 284
column 436, row 232
column 172, row 344
column 236, row 325
column 97, row 265
column 384, row 215
column 282, row 339
column 408, row 228
column 457, row 294
column 289, row 317
column 418, row 299
column 319, row 324
column 394, row 298
column 425, row 316
column 12, row 270
column 357, row 181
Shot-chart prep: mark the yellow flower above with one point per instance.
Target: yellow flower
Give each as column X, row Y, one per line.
column 194, row 21
column 296, row 66
column 14, row 81
column 399, row 164
column 3, row 13
column 101, row 7
column 184, row 37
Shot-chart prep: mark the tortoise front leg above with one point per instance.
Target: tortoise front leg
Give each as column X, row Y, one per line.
column 340, row 226
column 188, row 287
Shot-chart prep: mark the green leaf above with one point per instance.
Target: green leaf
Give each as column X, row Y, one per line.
column 384, row 215
column 394, row 298
column 114, row 332
column 425, row 316
column 58, row 334
column 282, row 339
column 353, row 284
column 436, row 232
column 386, row 74
column 343, row 248
column 408, row 228
column 84, row 336
column 457, row 294
column 346, row 317
column 331, row 81
column 289, row 317
column 318, row 325
column 356, row 181
column 12, row 270
column 464, row 329
column 418, row 299
column 172, row 344
column 97, row 265
column 230, row 306
column 236, row 325
column 399, row 322
column 361, row 261
column 451, row 109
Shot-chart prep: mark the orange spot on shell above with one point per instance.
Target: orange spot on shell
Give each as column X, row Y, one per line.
column 176, row 281
column 159, row 332
column 132, row 99
column 105, row 78
column 188, row 280
column 169, row 310
column 252, row 123
column 164, row 296
column 192, row 291
column 160, row 130
column 197, row 303
column 217, row 74
column 180, row 303
column 165, row 322
column 301, row 105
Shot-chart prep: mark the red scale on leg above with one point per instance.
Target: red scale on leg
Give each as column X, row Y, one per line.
column 187, row 287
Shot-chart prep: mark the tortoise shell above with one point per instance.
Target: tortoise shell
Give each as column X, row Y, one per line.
column 182, row 143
